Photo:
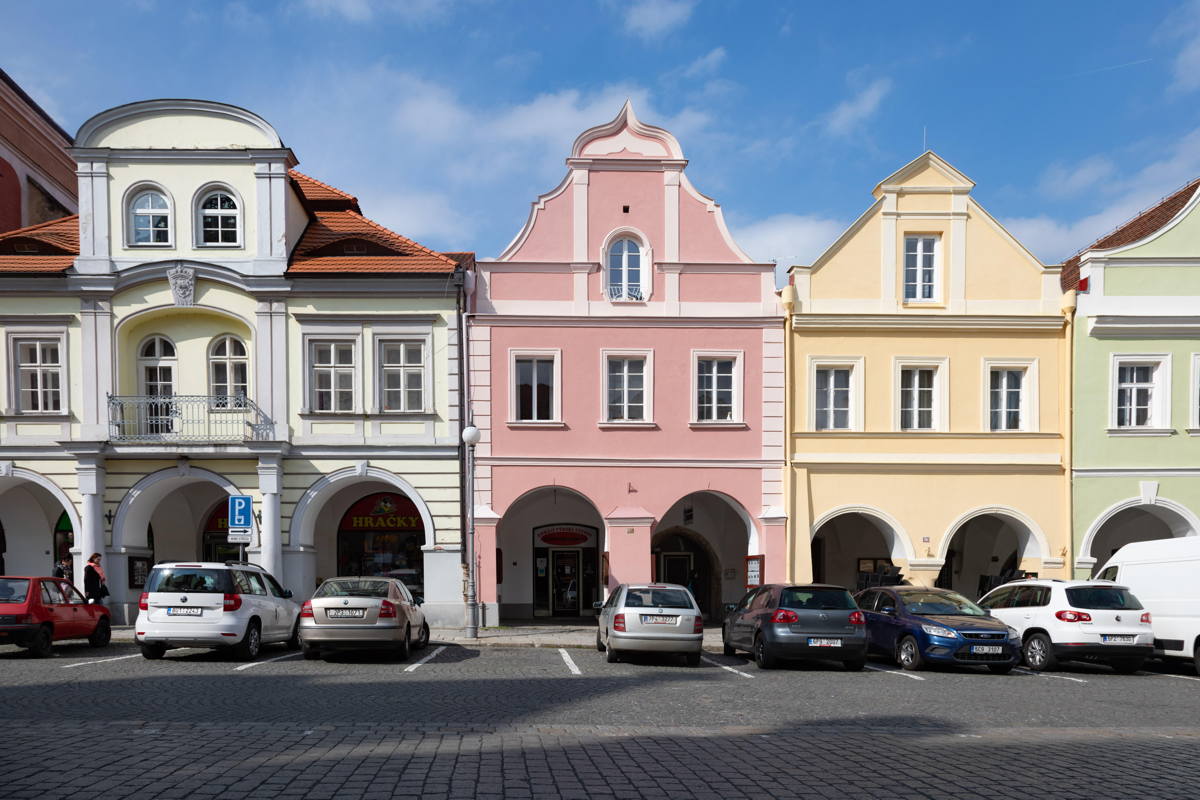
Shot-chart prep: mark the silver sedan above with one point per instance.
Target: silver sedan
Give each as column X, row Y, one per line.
column 651, row 618
column 362, row 613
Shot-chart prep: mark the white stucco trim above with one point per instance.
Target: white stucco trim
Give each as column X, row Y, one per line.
column 150, row 490
column 897, row 538
column 304, row 516
column 1084, row 559
column 22, row 474
column 1033, row 533
column 90, row 129
column 127, row 199
column 197, row 223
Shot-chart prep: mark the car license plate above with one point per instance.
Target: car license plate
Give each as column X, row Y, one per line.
column 658, row 619
column 184, row 612
column 343, row 613
column 987, row 649
column 824, row 642
column 1110, row 638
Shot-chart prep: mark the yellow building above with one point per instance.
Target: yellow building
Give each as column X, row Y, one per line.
column 214, row 323
column 929, row 365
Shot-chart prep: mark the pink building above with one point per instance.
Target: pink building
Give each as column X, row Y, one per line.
column 626, row 370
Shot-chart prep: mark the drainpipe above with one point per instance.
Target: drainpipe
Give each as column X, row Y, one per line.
column 1068, row 426
column 787, row 298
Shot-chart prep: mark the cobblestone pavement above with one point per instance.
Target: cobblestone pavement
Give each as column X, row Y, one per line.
column 542, row 722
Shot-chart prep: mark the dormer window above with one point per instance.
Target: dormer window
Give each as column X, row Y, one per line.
column 219, row 222
column 625, row 270
column 150, row 219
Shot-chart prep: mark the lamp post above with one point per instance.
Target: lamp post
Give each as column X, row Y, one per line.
column 471, row 436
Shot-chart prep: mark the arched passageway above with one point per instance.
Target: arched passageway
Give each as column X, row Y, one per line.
column 855, row 549
column 1139, row 523
column 984, row 552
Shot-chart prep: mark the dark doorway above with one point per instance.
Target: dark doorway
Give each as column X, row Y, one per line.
column 681, row 556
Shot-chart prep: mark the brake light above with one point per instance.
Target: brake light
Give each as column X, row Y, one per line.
column 232, row 602
column 619, row 623
column 1073, row 616
column 27, row 619
column 386, row 609
column 144, row 601
column 785, row 615
column 697, row 624
column 857, row 618
column 306, row 609
column 1146, row 618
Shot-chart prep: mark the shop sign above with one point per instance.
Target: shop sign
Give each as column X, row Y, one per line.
column 754, row 571
column 382, row 512
column 564, row 536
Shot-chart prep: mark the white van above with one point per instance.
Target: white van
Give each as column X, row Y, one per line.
column 1165, row 575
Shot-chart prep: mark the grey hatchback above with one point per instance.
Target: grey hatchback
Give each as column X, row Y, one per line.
column 650, row 618
column 781, row 621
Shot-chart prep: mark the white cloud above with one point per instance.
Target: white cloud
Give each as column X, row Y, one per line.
column 705, row 65
column 787, row 239
column 650, row 19
column 850, row 114
column 1062, row 181
column 1184, row 25
column 367, row 10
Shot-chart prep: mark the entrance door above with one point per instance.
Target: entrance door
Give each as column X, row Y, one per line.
column 564, row 582
column 675, row 568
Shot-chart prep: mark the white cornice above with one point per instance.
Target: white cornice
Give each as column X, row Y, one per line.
column 955, row 322
column 689, row 463
column 930, row 459
column 1145, row 326
column 111, row 116
column 514, row 321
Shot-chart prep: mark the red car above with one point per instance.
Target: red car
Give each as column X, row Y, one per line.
column 36, row 612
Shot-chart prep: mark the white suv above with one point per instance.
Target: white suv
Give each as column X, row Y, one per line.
column 232, row 604
column 1074, row 621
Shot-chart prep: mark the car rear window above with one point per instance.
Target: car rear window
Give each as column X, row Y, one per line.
column 363, row 588
column 798, row 597
column 1103, row 598
column 13, row 590
column 658, row 598
column 189, row 579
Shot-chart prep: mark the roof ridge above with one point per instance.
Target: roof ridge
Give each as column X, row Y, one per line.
column 416, row 244
column 298, row 173
column 38, row 226
column 1148, row 209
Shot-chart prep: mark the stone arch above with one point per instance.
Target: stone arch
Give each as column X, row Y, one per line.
column 1178, row 518
column 137, row 506
column 1032, row 541
column 305, row 514
column 893, row 532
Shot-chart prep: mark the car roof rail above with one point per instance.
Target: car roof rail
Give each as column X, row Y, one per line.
column 242, row 564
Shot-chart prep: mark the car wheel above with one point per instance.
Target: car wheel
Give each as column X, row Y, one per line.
column 611, row 655
column 293, row 642
column 726, row 647
column 1039, row 653
column 402, row 649
column 247, row 649
column 908, row 654
column 309, row 652
column 1128, row 666
column 42, row 643
column 154, row 651
column 1196, row 658
column 762, row 656
column 693, row 659
column 854, row 664
column 102, row 635
column 423, row 636
column 1000, row 669
column 599, row 644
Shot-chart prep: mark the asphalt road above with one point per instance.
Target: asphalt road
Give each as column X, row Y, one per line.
column 458, row 721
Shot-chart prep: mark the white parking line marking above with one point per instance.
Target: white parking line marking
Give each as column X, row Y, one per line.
column 268, row 661
column 430, row 657
column 1165, row 675
column 901, row 673
column 725, row 667
column 99, row 661
column 570, row 664
column 1044, row 675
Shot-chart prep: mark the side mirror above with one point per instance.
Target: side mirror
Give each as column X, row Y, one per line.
column 889, row 610
column 730, row 607
column 598, row 604
column 418, row 600
column 287, row 593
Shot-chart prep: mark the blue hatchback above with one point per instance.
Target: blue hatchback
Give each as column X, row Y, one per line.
column 915, row 625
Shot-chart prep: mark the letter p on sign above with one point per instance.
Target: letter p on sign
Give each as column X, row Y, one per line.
column 239, row 511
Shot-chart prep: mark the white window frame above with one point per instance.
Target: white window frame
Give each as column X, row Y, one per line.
column 14, row 336
column 941, row 391
column 1160, row 400
column 159, row 361
column 229, row 361
column 739, row 360
column 646, row 260
column 647, row 420
column 1194, row 397
column 936, row 290
column 426, row 342
column 857, row 372
column 131, row 196
column 198, row 217
column 513, row 404
column 355, row 340
column 1030, row 394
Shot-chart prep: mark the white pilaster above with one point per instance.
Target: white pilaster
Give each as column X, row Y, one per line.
column 90, row 472
column 958, row 255
column 270, row 363
column 270, row 178
column 95, row 255
column 671, row 215
column 96, row 323
column 270, row 529
column 579, row 219
column 888, row 264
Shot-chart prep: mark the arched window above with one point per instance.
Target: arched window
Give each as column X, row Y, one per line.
column 219, row 220
column 156, row 375
column 228, row 368
column 625, row 271
column 149, row 218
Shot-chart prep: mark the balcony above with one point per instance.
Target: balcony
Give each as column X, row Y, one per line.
column 152, row 419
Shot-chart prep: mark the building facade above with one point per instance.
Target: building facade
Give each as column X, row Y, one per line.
column 626, row 373
column 37, row 174
column 215, row 323
column 928, row 407
column 1137, row 381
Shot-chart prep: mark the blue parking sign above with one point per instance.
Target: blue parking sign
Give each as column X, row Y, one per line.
column 239, row 511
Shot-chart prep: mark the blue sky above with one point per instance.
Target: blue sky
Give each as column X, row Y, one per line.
column 448, row 118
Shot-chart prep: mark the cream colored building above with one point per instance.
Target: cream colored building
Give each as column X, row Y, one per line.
column 929, row 362
column 215, row 323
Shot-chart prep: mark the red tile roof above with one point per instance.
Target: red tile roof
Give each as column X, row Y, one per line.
column 318, row 194
column 1141, row 226
column 45, row 247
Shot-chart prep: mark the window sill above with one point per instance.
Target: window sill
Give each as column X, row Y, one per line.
column 1193, row 431
column 628, row 301
column 304, row 413
column 619, row 424
column 149, row 245
column 37, row 416
column 524, row 423
column 719, row 425
column 218, row 246
column 1141, row 431
column 920, row 430
column 828, row 431
column 923, row 304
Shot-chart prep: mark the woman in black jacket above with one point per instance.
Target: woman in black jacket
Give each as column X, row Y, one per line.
column 94, row 587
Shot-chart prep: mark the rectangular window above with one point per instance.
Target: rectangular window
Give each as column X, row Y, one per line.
column 535, row 389
column 626, row 398
column 39, row 375
column 832, row 399
column 402, row 375
column 1135, row 395
column 920, row 268
column 715, row 389
column 1005, row 391
column 332, row 370
column 916, row 398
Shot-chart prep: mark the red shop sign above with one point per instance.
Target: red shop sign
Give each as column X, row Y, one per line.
column 565, row 535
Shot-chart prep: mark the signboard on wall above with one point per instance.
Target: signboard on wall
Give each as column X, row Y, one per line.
column 139, row 570
column 564, row 535
column 754, row 571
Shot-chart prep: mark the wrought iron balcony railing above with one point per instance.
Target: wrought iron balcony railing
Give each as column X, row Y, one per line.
column 186, row 418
